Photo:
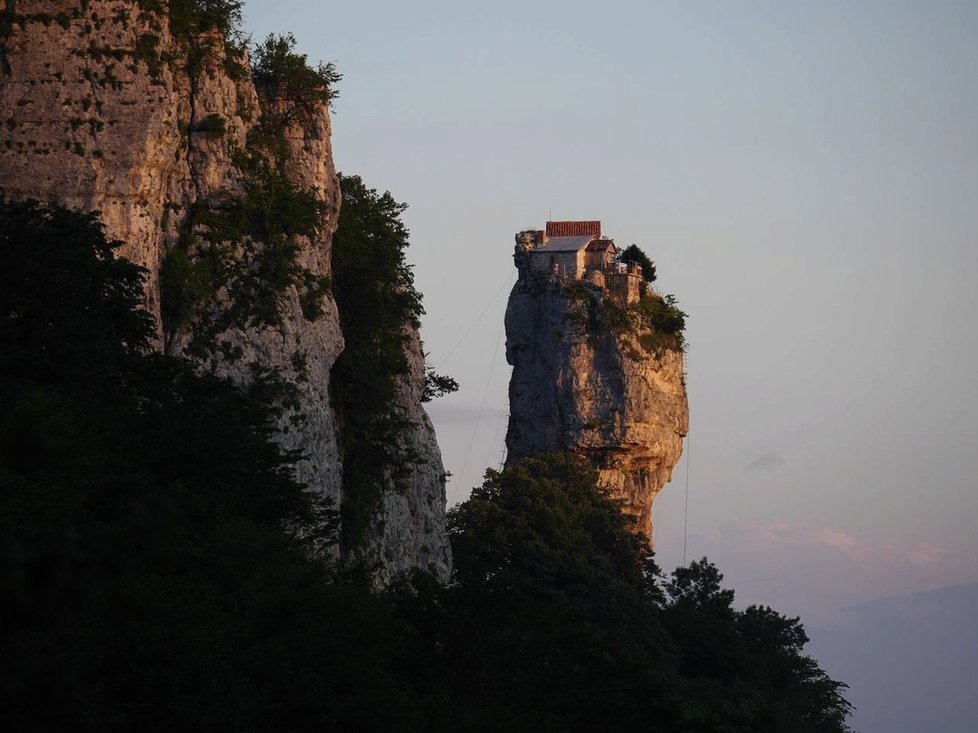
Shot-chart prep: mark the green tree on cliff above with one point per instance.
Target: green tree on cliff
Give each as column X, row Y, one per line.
column 633, row 254
column 286, row 76
column 190, row 18
column 379, row 306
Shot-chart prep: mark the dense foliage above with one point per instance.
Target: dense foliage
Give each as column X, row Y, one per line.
column 68, row 308
column 379, row 305
column 293, row 87
column 188, row 20
column 658, row 320
column 662, row 322
column 634, row 254
column 148, row 583
column 237, row 258
column 654, row 323
column 560, row 619
column 248, row 243
column 190, row 17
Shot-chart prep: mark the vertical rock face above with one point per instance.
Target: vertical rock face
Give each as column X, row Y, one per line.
column 580, row 386
column 409, row 529
column 87, row 125
column 102, row 109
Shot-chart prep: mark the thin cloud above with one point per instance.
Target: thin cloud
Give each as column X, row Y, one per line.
column 447, row 413
column 814, row 571
column 924, row 553
column 836, row 539
column 765, row 462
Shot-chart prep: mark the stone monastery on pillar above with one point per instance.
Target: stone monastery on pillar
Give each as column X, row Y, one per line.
column 575, row 250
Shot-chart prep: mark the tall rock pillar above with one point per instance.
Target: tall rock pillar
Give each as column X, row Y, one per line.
column 593, row 376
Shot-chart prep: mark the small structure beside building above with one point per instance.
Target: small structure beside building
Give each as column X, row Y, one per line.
column 575, row 250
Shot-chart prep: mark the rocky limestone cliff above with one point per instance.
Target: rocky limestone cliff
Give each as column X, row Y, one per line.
column 409, row 529
column 104, row 108
column 580, row 385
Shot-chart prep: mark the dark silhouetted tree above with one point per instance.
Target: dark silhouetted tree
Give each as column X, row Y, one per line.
column 632, row 253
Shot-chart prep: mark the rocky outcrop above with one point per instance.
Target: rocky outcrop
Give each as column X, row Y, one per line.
column 105, row 109
column 409, row 528
column 580, row 384
column 86, row 124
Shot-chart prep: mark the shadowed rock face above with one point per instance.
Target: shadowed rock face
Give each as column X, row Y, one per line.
column 601, row 396
column 409, row 530
column 91, row 124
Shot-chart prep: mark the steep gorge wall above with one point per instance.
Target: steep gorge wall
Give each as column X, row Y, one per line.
column 599, row 394
column 409, row 529
column 104, row 109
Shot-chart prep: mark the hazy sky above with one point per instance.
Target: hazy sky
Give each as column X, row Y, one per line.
column 805, row 176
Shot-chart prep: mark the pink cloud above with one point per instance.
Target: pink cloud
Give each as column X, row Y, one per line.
column 815, row 571
column 838, row 540
column 924, row 553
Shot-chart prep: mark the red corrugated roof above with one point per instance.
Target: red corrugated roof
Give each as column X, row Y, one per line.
column 573, row 228
column 600, row 245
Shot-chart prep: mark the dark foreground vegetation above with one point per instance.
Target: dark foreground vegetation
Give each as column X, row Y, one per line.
column 147, row 582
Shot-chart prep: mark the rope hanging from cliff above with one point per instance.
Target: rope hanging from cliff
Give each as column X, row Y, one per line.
column 509, row 278
column 686, row 507
column 478, row 419
column 492, row 444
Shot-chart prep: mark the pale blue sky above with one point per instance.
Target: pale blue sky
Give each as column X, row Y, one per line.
column 805, row 176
